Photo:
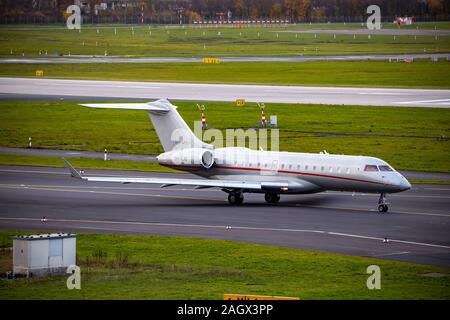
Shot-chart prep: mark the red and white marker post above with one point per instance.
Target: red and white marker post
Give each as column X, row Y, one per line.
column 263, row 119
column 204, row 125
column 202, row 109
column 263, row 115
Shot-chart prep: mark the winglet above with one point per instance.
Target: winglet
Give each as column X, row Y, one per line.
column 72, row 170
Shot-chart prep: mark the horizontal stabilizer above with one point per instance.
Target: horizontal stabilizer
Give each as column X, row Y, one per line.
column 158, row 106
column 172, row 130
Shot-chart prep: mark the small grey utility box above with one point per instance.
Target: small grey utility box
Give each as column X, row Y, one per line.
column 273, row 121
column 43, row 254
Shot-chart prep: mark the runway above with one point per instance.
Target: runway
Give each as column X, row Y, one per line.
column 300, row 58
column 224, row 92
column 417, row 225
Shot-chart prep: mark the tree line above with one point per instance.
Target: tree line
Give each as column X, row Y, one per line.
column 194, row 10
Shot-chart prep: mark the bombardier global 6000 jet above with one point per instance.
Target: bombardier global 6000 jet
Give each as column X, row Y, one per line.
column 238, row 170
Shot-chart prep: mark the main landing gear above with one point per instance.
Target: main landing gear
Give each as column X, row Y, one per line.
column 382, row 203
column 272, row 197
column 235, row 198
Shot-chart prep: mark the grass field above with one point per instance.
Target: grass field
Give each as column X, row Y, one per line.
column 151, row 41
column 152, row 267
column 420, row 74
column 408, row 138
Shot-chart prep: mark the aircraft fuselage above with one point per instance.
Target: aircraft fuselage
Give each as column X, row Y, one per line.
column 305, row 172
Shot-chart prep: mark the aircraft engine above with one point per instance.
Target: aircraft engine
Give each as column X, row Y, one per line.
column 188, row 157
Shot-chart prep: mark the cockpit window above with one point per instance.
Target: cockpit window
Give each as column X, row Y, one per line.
column 371, row 168
column 385, row 168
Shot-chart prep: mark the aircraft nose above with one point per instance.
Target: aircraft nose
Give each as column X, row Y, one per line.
column 404, row 184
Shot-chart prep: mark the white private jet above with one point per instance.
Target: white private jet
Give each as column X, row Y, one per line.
column 239, row 170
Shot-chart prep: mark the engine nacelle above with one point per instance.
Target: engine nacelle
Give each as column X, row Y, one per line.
column 196, row 157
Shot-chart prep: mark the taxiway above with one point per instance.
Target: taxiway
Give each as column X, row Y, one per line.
column 417, row 226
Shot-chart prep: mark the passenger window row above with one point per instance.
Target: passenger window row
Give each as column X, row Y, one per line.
column 330, row 169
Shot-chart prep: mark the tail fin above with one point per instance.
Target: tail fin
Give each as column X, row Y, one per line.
column 172, row 130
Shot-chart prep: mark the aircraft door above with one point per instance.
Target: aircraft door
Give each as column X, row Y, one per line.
column 274, row 167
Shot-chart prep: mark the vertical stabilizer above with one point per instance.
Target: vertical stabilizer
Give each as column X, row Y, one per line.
column 172, row 130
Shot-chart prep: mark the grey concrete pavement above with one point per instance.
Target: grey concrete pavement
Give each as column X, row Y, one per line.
column 299, row 58
column 417, row 225
column 226, row 92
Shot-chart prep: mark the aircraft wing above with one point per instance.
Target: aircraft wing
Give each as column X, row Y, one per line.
column 172, row 181
column 299, row 186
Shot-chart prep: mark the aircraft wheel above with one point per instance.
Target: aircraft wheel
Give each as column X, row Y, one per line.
column 235, row 198
column 382, row 208
column 272, row 197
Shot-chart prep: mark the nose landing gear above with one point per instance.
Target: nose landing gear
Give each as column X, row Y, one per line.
column 382, row 203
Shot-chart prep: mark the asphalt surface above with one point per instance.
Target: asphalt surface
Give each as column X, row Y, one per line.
column 225, row 92
column 152, row 158
column 299, row 58
column 55, row 98
column 417, row 226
